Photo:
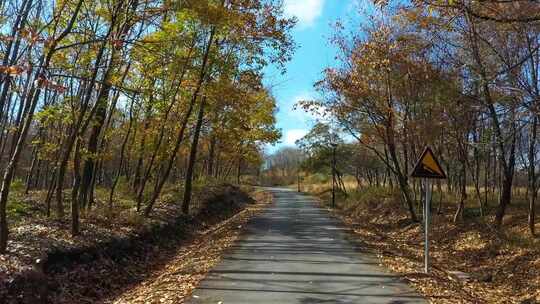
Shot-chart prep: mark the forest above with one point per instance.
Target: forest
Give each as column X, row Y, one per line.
column 132, row 94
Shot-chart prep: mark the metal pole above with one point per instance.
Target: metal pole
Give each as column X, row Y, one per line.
column 334, row 176
column 427, row 210
column 298, row 180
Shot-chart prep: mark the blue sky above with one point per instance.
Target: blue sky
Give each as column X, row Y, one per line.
column 314, row 53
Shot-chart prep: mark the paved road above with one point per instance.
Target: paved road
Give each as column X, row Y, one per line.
column 294, row 252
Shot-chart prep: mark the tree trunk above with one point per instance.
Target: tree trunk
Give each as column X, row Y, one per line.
column 122, row 156
column 180, row 135
column 75, row 203
column 89, row 166
column 79, row 126
column 403, row 185
column 192, row 159
column 211, row 156
column 532, row 175
column 506, row 196
column 238, row 171
column 463, row 193
column 140, row 164
column 31, row 170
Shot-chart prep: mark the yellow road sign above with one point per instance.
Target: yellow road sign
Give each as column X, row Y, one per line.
column 428, row 166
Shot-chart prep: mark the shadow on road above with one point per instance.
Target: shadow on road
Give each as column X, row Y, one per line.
column 295, row 252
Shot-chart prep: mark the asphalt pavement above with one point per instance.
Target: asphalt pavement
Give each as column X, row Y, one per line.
column 295, row 252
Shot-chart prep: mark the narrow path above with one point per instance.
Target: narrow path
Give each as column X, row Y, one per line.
column 295, row 252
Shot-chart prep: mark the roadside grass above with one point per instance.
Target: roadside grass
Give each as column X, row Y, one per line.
column 17, row 209
column 504, row 265
column 23, row 206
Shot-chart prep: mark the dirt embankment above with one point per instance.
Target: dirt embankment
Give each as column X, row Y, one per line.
column 92, row 270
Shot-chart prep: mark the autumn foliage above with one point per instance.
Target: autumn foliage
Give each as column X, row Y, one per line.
column 130, row 94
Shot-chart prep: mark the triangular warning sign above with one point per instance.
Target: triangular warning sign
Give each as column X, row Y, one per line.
column 428, row 166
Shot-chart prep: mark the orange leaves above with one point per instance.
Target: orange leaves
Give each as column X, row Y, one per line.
column 43, row 82
column 14, row 70
column 31, row 36
column 116, row 40
column 6, row 38
column 117, row 43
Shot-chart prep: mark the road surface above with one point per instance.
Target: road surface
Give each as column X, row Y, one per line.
column 295, row 252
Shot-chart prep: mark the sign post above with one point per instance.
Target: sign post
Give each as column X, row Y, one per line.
column 427, row 168
column 334, row 146
column 427, row 219
column 299, row 181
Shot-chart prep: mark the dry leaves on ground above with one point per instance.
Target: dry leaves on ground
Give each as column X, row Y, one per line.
column 176, row 281
column 499, row 272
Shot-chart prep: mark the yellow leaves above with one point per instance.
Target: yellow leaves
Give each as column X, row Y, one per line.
column 102, row 12
column 150, row 39
column 208, row 12
column 60, row 58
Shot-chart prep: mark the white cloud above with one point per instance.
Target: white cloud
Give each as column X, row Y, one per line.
column 293, row 135
column 307, row 11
